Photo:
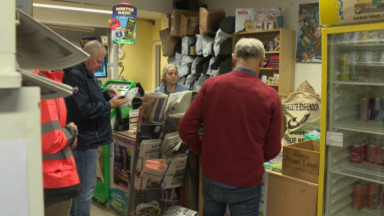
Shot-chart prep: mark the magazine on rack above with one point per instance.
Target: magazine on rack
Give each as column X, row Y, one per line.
column 152, row 108
column 40, row 48
column 149, row 149
column 174, row 176
column 180, row 211
column 178, row 104
column 171, row 144
column 151, row 175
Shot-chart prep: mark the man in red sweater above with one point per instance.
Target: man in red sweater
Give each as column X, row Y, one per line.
column 242, row 127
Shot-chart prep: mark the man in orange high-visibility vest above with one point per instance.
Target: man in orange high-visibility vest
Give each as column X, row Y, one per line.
column 61, row 182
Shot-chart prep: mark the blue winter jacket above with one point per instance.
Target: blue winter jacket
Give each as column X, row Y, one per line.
column 88, row 108
column 179, row 88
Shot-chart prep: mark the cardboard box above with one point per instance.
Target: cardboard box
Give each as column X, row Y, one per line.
column 288, row 196
column 301, row 160
column 176, row 18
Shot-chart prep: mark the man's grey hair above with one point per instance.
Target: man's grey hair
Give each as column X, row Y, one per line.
column 249, row 48
column 92, row 47
column 165, row 69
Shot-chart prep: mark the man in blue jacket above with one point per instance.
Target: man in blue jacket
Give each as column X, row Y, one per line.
column 89, row 108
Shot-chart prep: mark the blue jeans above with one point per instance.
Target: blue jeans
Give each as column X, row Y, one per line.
column 86, row 160
column 241, row 201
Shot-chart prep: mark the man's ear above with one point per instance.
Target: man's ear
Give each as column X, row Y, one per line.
column 233, row 60
column 261, row 62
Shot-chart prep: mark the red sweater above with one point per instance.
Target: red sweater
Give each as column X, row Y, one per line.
column 242, row 128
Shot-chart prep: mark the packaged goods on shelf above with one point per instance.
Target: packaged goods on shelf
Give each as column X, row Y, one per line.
column 207, row 18
column 174, row 177
column 149, row 149
column 152, row 108
column 151, row 175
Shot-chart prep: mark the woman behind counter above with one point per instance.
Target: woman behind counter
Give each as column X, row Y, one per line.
column 170, row 77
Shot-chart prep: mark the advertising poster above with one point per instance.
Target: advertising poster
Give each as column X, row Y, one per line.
column 123, row 24
column 351, row 11
column 309, row 34
column 120, row 173
column 84, row 41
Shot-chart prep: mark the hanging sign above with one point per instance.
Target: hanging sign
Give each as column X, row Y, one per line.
column 123, row 24
column 350, row 11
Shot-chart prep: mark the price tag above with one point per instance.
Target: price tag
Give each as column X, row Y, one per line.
column 335, row 139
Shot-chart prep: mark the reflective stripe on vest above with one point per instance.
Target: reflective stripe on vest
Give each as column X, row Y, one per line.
column 50, row 126
column 61, row 155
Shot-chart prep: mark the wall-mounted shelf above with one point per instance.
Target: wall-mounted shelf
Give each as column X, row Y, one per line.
column 286, row 55
column 359, row 83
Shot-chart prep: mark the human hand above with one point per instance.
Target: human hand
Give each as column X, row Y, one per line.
column 71, row 124
column 74, row 145
column 116, row 102
column 113, row 92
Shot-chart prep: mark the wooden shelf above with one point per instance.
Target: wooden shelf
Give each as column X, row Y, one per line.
column 273, row 85
column 260, row 32
column 287, row 55
column 273, row 52
column 269, row 68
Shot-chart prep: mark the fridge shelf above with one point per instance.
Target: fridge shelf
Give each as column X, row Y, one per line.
column 359, row 83
column 363, row 212
column 359, row 47
column 372, row 127
column 364, row 171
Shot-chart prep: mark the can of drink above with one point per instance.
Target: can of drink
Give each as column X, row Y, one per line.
column 376, row 111
column 371, row 105
column 358, row 197
column 365, row 192
column 363, row 150
column 372, row 153
column 364, row 109
column 356, row 152
column 372, row 196
column 380, row 156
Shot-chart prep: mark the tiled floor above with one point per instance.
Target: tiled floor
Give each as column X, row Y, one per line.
column 97, row 210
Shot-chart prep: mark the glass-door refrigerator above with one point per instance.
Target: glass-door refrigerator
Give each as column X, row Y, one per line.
column 353, row 117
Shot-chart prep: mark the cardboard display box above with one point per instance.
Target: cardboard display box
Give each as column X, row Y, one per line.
column 289, row 196
column 176, row 18
column 301, row 160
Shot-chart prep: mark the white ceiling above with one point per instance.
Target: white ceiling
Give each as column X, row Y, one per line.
column 141, row 12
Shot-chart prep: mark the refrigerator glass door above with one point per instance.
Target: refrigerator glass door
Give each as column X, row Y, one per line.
column 355, row 107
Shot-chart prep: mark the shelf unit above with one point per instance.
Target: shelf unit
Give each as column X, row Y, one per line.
column 363, row 212
column 364, row 171
column 371, row 127
column 286, row 68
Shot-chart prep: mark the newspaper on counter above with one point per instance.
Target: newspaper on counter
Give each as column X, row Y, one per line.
column 149, row 149
column 174, row 176
column 152, row 108
column 171, row 143
column 178, row 104
column 180, row 211
column 129, row 96
column 145, row 209
column 151, row 175
column 40, row 48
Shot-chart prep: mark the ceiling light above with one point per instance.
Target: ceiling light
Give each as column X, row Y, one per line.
column 71, row 8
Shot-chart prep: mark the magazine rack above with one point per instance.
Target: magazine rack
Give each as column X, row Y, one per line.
column 162, row 196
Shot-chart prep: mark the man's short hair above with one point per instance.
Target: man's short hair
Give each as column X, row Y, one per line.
column 249, row 48
column 92, row 47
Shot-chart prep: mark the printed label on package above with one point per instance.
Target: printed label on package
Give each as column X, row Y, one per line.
column 123, row 24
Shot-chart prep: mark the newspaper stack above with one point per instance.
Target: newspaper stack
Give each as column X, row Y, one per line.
column 153, row 106
column 178, row 104
column 171, row 144
column 175, row 173
column 151, row 175
column 151, row 208
column 149, row 149
column 180, row 211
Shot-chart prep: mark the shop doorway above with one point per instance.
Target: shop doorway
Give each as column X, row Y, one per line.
column 156, row 64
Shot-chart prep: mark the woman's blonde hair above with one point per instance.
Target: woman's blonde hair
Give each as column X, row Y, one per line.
column 165, row 69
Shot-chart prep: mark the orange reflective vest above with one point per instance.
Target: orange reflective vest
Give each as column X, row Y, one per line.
column 61, row 181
